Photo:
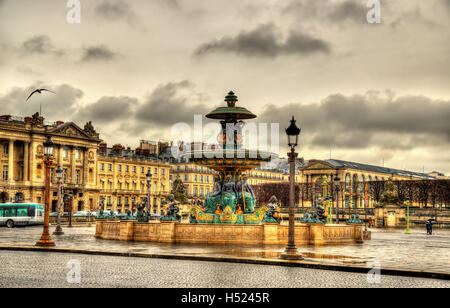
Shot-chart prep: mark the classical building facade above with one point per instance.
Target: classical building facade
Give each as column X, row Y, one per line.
column 198, row 181
column 22, row 165
column 355, row 180
column 122, row 178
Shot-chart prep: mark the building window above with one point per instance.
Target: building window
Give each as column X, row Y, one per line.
column 142, row 170
column 127, row 168
column 5, row 173
column 77, row 154
column 78, row 177
column 127, row 201
column 6, row 148
column 134, row 169
column 65, row 175
column 102, row 167
column 119, row 168
column 155, row 171
column 201, row 178
column 155, row 186
column 163, row 172
column 119, row 201
column 109, row 167
column 65, row 154
column 195, row 178
column 186, row 178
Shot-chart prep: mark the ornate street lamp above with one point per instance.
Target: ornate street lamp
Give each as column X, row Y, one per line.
column 407, row 217
column 337, row 181
column 149, row 183
column 291, row 252
column 49, row 148
column 71, row 194
column 59, row 175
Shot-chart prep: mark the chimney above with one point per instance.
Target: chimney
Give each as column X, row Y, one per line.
column 58, row 123
column 103, row 147
column 118, row 149
column 28, row 120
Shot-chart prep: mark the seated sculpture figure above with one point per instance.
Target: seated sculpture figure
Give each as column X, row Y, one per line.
column 170, row 211
column 215, row 196
column 229, row 194
column 272, row 215
column 245, row 195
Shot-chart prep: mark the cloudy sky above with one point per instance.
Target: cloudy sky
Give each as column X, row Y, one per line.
column 367, row 91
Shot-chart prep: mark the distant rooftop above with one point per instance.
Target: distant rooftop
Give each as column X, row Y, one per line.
column 347, row 164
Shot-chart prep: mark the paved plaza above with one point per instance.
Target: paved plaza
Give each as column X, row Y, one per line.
column 392, row 248
column 46, row 269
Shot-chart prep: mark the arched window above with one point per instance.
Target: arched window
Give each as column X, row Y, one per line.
column 355, row 183
column 361, row 183
column 347, row 182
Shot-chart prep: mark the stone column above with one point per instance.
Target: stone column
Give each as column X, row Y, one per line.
column 85, row 166
column 73, row 165
column 11, row 160
column 26, row 158
column 60, row 155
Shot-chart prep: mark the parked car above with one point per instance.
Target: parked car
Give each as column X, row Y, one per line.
column 80, row 214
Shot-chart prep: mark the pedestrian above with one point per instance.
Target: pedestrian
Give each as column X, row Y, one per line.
column 428, row 225
column 431, row 227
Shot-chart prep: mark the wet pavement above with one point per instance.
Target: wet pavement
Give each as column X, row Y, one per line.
column 391, row 248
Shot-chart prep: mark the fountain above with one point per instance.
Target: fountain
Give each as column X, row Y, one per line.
column 229, row 214
column 233, row 200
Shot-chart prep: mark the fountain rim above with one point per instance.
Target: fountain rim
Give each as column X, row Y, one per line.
column 227, row 154
column 238, row 113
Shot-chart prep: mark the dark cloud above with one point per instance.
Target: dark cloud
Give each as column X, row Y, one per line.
column 40, row 44
column 265, row 41
column 115, row 10
column 171, row 103
column 329, row 11
column 108, row 109
column 97, row 53
column 373, row 119
column 447, row 4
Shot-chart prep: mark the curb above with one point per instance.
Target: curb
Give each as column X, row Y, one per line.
column 259, row 261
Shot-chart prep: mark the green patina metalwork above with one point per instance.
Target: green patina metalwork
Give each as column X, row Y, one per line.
column 233, row 200
column 354, row 219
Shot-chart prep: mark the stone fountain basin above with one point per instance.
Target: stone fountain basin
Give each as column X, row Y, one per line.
column 265, row 234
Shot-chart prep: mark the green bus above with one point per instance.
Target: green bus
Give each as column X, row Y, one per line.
column 21, row 214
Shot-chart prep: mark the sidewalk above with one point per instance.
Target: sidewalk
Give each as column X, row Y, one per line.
column 394, row 250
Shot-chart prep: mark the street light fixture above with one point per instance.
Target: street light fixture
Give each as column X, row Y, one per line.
column 149, row 182
column 59, row 175
column 71, row 194
column 337, row 181
column 292, row 132
column 46, row 239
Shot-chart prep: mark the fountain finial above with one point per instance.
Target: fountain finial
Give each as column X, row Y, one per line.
column 231, row 99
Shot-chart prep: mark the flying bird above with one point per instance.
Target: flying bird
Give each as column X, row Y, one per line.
column 39, row 91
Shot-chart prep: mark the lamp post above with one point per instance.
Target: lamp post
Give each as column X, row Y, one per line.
column 46, row 239
column 58, row 230
column 291, row 253
column 70, row 209
column 149, row 183
column 336, row 187
column 407, row 219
